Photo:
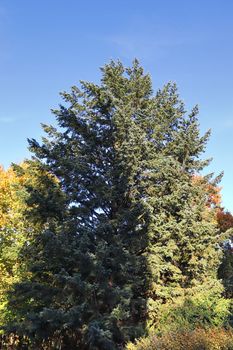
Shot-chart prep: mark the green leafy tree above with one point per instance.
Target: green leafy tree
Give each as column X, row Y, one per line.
column 225, row 224
column 131, row 235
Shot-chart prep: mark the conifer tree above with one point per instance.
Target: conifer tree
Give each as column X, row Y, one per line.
column 132, row 234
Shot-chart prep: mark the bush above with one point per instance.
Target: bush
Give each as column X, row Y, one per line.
column 198, row 339
column 204, row 309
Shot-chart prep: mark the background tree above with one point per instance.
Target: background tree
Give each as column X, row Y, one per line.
column 12, row 225
column 225, row 224
column 18, row 223
column 224, row 219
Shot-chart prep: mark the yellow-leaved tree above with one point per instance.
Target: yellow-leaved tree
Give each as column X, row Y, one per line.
column 21, row 187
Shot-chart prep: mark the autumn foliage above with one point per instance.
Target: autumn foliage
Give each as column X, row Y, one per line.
column 224, row 219
column 198, row 339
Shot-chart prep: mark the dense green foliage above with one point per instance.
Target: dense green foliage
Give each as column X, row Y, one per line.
column 225, row 272
column 126, row 233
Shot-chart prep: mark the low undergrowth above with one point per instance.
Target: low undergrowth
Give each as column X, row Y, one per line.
column 197, row 339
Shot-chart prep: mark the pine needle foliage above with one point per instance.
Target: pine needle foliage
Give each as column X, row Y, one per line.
column 132, row 234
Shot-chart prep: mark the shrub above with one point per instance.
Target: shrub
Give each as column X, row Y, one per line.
column 198, row 339
column 204, row 309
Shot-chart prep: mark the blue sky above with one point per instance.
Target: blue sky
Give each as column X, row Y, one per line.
column 46, row 46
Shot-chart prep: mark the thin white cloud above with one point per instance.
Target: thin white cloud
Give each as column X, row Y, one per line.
column 143, row 38
column 6, row 120
column 227, row 124
column 133, row 45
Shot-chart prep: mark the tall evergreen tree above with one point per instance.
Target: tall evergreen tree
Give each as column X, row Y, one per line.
column 132, row 235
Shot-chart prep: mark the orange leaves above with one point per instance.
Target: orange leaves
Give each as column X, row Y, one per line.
column 213, row 193
column 224, row 220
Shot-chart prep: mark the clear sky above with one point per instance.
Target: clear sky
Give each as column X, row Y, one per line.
column 46, row 46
